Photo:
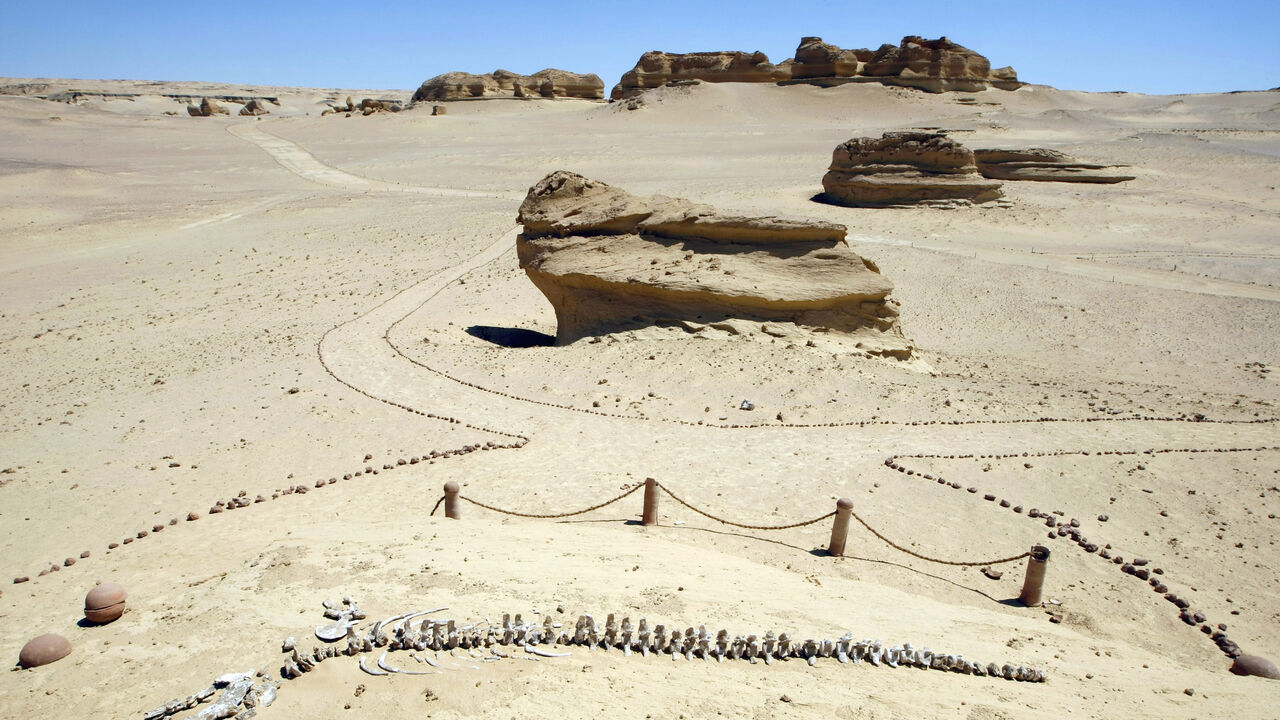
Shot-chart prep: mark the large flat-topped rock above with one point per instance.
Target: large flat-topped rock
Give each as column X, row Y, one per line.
column 656, row 68
column 549, row 83
column 610, row 261
column 905, row 168
column 932, row 65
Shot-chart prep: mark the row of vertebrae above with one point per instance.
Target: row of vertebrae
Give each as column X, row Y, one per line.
column 700, row 643
column 639, row 638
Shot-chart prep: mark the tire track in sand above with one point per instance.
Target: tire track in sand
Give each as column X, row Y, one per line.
column 299, row 161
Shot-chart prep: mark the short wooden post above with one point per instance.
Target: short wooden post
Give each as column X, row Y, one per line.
column 1033, row 584
column 451, row 509
column 840, row 528
column 650, row 516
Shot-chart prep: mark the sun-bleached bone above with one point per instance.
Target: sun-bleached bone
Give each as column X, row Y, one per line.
column 371, row 671
column 382, row 663
column 545, row 653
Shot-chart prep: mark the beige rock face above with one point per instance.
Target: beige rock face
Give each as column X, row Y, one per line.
column 657, row 68
column 932, row 65
column 209, row 108
column 905, row 168
column 1044, row 165
column 255, row 106
column 817, row 59
column 548, row 83
column 608, row 261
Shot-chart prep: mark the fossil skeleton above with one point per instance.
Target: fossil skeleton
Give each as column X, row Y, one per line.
column 484, row 642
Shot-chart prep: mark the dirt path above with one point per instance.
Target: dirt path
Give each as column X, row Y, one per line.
column 296, row 159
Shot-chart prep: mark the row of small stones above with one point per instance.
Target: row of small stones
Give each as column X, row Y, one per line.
column 1071, row 529
column 238, row 691
column 242, row 500
column 841, row 423
column 446, row 635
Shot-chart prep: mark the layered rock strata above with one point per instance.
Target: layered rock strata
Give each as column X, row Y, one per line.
column 608, row 261
column 656, row 68
column 905, row 168
column 931, row 65
column 549, row 83
column 1043, row 165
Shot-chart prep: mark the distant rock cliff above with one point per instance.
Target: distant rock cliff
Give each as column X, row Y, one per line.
column 549, row 83
column 931, row 65
column 610, row 261
column 657, row 68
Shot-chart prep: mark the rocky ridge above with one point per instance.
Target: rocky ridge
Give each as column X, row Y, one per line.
column 930, row 65
column 610, row 261
column 548, row 83
column 657, row 68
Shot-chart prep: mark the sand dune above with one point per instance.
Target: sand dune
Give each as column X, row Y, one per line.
column 196, row 308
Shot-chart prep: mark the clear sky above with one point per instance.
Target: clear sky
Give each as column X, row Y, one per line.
column 1136, row 45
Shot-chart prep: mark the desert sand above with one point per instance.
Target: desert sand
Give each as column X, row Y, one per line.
column 193, row 309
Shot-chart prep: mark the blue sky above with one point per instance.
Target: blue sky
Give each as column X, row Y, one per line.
column 1140, row 46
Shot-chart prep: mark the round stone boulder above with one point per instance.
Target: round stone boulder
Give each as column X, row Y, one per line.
column 44, row 650
column 104, row 603
column 1256, row 666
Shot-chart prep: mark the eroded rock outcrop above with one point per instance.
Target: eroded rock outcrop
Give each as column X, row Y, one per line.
column 549, row 83
column 656, row 68
column 207, row 108
column 610, row 261
column 1044, row 165
column 366, row 107
column 254, row 107
column 932, row 65
column 905, row 168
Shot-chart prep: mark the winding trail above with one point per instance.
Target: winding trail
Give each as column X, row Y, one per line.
column 299, row 161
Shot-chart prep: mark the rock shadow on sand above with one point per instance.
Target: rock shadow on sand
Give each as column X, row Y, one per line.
column 511, row 337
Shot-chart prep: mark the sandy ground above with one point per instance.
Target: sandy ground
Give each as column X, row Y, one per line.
column 195, row 308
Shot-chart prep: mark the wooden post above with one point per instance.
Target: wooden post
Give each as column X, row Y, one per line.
column 451, row 509
column 1033, row 584
column 840, row 528
column 650, row 516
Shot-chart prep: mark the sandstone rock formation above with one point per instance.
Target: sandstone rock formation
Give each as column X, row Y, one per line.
column 1043, row 164
column 932, row 65
column 255, row 106
column 658, row 68
column 610, row 261
column 367, row 106
column 207, row 108
column 549, row 83
column 817, row 59
column 905, row 168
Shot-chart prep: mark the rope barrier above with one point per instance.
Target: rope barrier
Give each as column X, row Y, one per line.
column 630, row 490
column 745, row 526
column 914, row 554
column 677, row 498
